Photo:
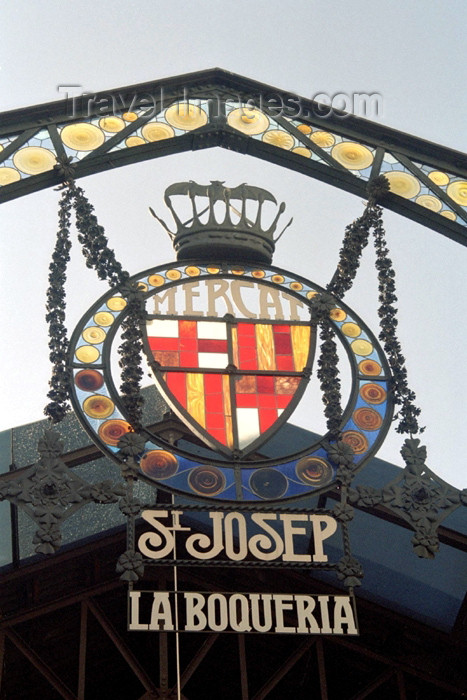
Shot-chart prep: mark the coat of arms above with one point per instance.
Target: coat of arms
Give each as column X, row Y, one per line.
column 230, row 342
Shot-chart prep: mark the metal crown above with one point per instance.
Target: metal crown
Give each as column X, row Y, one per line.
column 204, row 237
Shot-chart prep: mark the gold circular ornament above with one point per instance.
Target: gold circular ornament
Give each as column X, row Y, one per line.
column 367, row 418
column 112, row 124
column 238, row 271
column 356, row 440
column 403, row 184
column 133, row 141
column 323, row 139
column 87, row 353
column 142, row 287
column 361, row 347
column 116, row 303
column 173, row 274
column 185, row 116
column 159, row 464
column 89, row 380
column 337, row 315
column 314, row 471
column 458, row 192
column 130, row 116
column 370, row 368
column 430, row 202
column 33, row 160
column 94, row 335
column 311, row 294
column 248, row 121
column 157, row 131
column 296, row 286
column 268, row 483
column 98, row 406
column 192, row 271
column 373, row 393
column 277, row 279
column 301, row 151
column 103, row 318
column 206, row 480
column 351, row 330
column 439, row 178
column 353, row 156
column 82, row 136
column 259, row 274
column 111, row 431
column 304, row 128
column 213, row 269
column 278, row 138
column 156, row 280
column 9, row 175
column 448, row 214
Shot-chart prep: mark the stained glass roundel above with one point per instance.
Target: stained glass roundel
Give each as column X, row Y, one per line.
column 230, row 352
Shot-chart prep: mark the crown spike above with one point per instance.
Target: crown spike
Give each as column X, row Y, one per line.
column 244, row 241
column 273, row 226
column 228, row 208
column 195, row 220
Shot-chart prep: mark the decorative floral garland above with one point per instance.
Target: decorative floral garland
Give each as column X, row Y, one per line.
column 55, row 317
column 355, row 240
column 402, row 395
column 101, row 258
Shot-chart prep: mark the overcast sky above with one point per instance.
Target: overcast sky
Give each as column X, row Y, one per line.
column 409, row 52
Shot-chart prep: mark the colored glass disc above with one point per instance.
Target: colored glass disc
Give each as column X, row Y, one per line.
column 268, row 483
column 159, row 464
column 314, row 471
column 356, row 440
column 87, row 353
column 373, row 393
column 207, row 480
column 111, row 431
column 89, row 380
column 367, row 418
column 98, row 406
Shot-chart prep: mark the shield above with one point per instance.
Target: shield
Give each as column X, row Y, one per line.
column 234, row 382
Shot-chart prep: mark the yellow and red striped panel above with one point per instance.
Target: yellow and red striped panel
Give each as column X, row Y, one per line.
column 267, row 346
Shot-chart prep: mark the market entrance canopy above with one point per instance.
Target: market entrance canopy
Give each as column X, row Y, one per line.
column 211, row 108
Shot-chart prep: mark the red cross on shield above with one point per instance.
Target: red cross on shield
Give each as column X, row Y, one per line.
column 233, row 382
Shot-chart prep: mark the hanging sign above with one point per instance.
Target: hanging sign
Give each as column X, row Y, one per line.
column 284, row 613
column 230, row 343
column 260, row 536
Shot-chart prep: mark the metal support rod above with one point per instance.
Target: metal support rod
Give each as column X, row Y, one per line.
column 2, row 657
column 401, row 685
column 127, row 654
column 283, row 670
column 37, row 662
column 163, row 665
column 243, row 666
column 163, row 654
column 411, row 670
column 177, row 636
column 83, row 631
column 195, row 661
column 376, row 683
column 321, row 669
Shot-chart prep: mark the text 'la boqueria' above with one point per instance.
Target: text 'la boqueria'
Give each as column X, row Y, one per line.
column 261, row 535
column 169, row 611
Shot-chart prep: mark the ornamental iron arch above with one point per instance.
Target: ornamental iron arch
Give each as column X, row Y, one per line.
column 214, row 108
